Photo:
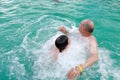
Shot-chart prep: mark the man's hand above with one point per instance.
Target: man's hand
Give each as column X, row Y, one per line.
column 73, row 73
column 63, row 30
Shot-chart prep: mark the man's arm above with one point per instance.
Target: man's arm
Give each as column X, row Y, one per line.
column 93, row 54
column 74, row 72
column 68, row 31
column 63, row 30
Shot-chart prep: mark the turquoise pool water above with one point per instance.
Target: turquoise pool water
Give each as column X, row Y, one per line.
column 26, row 25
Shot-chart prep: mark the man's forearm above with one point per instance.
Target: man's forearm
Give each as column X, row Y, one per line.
column 63, row 30
column 66, row 32
column 91, row 60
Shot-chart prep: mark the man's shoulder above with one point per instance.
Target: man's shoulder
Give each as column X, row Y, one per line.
column 93, row 40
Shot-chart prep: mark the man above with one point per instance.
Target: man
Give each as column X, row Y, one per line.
column 86, row 28
column 61, row 44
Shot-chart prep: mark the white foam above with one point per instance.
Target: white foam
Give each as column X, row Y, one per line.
column 106, row 67
column 74, row 56
column 13, row 66
column 46, row 68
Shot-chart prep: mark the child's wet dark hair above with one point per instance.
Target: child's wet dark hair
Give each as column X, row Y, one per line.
column 61, row 42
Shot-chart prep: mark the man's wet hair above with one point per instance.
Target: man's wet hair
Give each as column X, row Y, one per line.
column 88, row 27
column 61, row 42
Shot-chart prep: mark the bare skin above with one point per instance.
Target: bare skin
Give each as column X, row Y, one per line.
column 74, row 72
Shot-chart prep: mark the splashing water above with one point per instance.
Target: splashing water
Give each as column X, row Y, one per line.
column 29, row 28
column 46, row 67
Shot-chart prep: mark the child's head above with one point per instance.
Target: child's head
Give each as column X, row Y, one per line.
column 61, row 42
